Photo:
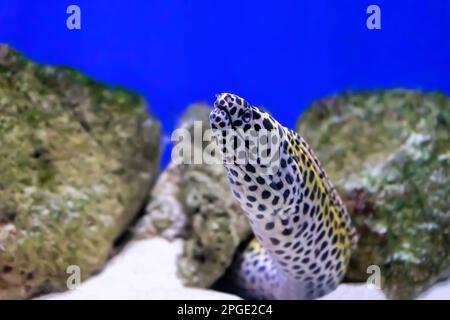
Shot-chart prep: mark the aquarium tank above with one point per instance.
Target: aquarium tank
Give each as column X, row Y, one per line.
column 224, row 150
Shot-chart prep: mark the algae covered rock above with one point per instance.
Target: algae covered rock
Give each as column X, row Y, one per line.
column 76, row 162
column 193, row 201
column 388, row 154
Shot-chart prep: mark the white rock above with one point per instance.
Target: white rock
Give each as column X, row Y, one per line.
column 145, row 269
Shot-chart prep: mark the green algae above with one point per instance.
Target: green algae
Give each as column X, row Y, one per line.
column 76, row 161
column 388, row 154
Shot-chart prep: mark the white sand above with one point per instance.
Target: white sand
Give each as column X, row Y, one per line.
column 440, row 291
column 145, row 269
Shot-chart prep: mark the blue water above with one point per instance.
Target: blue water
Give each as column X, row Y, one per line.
column 279, row 54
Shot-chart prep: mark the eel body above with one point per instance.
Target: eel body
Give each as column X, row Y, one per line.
column 303, row 232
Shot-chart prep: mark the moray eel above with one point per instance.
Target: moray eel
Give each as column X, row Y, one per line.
column 303, row 232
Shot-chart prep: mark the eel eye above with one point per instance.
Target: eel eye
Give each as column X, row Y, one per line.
column 247, row 115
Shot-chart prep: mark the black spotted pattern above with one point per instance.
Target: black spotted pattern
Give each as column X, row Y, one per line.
column 301, row 227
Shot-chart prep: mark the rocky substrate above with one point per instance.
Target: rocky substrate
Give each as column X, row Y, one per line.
column 388, row 154
column 77, row 159
column 193, row 202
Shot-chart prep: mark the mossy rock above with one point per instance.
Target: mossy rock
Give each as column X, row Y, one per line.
column 388, row 154
column 194, row 202
column 77, row 159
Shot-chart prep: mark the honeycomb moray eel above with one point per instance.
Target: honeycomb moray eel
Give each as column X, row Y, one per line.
column 303, row 233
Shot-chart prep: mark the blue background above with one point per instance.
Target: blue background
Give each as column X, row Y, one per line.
column 279, row 54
